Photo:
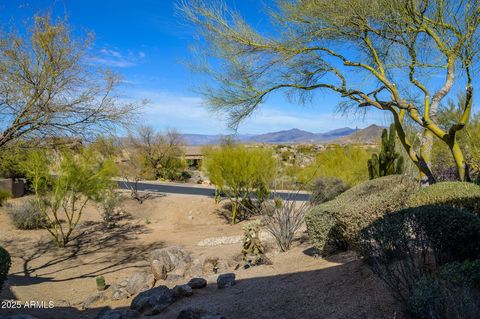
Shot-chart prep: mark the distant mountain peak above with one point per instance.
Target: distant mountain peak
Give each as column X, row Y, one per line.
column 291, row 136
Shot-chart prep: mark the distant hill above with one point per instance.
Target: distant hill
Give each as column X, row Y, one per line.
column 368, row 135
column 344, row 135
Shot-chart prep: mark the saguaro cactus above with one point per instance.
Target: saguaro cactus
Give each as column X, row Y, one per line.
column 389, row 161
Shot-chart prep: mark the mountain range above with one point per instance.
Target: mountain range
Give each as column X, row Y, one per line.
column 344, row 135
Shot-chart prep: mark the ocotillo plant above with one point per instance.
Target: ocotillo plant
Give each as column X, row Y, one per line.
column 389, row 161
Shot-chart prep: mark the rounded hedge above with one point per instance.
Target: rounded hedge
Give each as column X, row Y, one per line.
column 5, row 263
column 404, row 246
column 452, row 292
column 339, row 222
column 455, row 194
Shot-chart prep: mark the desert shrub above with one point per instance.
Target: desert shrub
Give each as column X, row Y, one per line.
column 283, row 218
column 456, row 194
column 10, row 158
column 26, row 215
column 239, row 173
column 160, row 156
column 404, row 246
column 79, row 178
column 326, row 189
column 337, row 223
column 110, row 206
column 324, row 232
column 4, row 195
column 452, row 292
column 346, row 163
column 5, row 263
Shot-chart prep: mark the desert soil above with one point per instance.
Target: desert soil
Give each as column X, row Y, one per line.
column 296, row 285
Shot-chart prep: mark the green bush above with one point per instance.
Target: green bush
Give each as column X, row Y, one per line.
column 407, row 245
column 346, row 163
column 5, row 263
column 26, row 215
column 456, row 194
column 453, row 292
column 238, row 172
column 79, row 178
column 338, row 222
column 326, row 189
column 4, row 195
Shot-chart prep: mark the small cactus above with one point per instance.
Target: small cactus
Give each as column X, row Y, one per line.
column 100, row 283
column 389, row 161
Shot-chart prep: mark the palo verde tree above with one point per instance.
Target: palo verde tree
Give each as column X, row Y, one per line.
column 48, row 88
column 402, row 57
column 64, row 187
column 239, row 172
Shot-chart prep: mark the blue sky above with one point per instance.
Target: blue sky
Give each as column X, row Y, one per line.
column 146, row 41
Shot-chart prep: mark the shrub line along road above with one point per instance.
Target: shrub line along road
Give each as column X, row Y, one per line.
column 198, row 190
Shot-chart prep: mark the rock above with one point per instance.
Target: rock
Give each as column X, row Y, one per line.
column 87, row 303
column 226, row 280
column 118, row 314
column 214, row 265
column 197, row 283
column 154, row 301
column 183, row 290
column 174, row 278
column 194, row 313
column 221, row 266
column 138, row 282
column 165, row 260
column 195, row 269
column 217, row 241
column 119, row 292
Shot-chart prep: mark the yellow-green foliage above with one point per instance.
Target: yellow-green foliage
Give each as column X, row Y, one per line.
column 346, row 163
column 63, row 188
column 4, row 195
column 10, row 158
column 237, row 170
column 456, row 194
column 339, row 221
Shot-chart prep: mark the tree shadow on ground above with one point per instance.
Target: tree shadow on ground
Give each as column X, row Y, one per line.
column 243, row 213
column 103, row 250
column 344, row 291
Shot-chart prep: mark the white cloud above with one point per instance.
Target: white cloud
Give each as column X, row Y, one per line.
column 115, row 58
column 112, row 53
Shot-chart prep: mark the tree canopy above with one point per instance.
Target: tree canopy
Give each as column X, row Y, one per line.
column 379, row 53
column 49, row 89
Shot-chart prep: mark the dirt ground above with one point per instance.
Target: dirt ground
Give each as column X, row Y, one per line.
column 296, row 285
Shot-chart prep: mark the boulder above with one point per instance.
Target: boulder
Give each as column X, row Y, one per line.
column 215, row 265
column 119, row 290
column 183, row 290
column 138, row 282
column 118, row 314
column 154, row 301
column 195, row 268
column 166, row 260
column 226, row 280
column 197, row 283
column 194, row 313
column 93, row 299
